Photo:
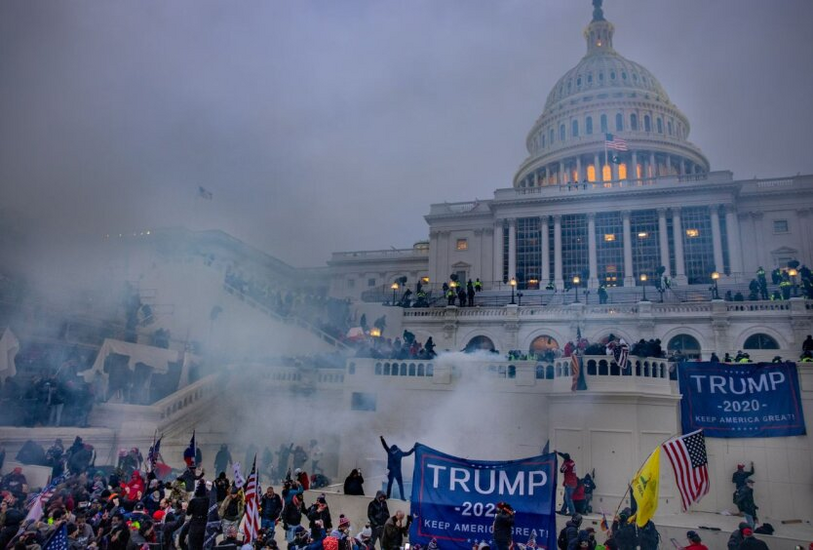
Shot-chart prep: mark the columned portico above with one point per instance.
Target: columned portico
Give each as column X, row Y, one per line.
column 629, row 276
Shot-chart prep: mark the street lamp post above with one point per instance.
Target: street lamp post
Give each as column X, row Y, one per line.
column 715, row 294
column 643, row 280
column 576, row 281
column 792, row 273
column 394, row 287
column 513, row 283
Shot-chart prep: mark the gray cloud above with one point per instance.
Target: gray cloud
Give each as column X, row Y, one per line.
column 324, row 126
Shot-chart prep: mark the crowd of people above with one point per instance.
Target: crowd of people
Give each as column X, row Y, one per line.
column 796, row 280
column 403, row 348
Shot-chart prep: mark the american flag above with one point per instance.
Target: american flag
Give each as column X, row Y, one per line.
column 45, row 495
column 152, row 455
column 252, row 526
column 578, row 382
column 615, row 142
column 59, row 540
column 690, row 463
column 622, row 353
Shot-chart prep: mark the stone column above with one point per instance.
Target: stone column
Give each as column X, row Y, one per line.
column 629, row 276
column 668, row 163
column 579, row 175
column 557, row 252
column 634, row 175
column 434, row 255
column 732, row 226
column 653, row 166
column 498, row 250
column 561, row 173
column 512, row 248
column 597, row 167
column 614, row 168
column 536, row 178
column 663, row 239
column 716, row 240
column 591, row 250
column 677, row 232
column 682, row 167
column 544, row 235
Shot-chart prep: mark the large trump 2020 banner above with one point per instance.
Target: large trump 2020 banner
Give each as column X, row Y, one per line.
column 454, row 499
column 741, row 399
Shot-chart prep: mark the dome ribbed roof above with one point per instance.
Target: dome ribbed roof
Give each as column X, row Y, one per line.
column 606, row 71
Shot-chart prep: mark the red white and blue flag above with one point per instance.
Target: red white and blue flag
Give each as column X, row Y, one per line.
column 252, row 525
column 614, row 142
column 690, row 463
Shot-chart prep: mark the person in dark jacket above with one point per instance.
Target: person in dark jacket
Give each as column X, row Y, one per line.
column 222, row 458
column 354, row 483
column 394, row 456
column 750, row 542
column 394, row 530
column 197, row 511
column 736, row 536
column 320, row 511
column 625, row 534
column 292, row 516
column 503, row 526
column 377, row 513
column 270, row 509
column 745, row 502
column 739, row 477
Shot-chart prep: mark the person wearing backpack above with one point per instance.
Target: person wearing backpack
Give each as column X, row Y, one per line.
column 648, row 537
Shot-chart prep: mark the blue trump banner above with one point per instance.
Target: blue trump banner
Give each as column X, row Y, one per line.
column 454, row 499
column 741, row 399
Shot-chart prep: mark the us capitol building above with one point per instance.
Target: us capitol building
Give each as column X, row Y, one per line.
column 611, row 190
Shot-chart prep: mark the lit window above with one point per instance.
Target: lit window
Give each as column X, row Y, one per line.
column 692, row 233
column 780, row 226
column 591, row 173
column 462, row 244
column 609, row 237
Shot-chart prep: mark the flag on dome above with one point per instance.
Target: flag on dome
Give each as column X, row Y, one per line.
column 615, row 142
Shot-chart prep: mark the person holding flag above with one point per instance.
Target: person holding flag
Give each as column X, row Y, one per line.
column 644, row 488
column 190, row 453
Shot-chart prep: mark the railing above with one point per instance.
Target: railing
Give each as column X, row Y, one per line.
column 298, row 321
column 374, row 254
column 602, row 373
column 189, row 396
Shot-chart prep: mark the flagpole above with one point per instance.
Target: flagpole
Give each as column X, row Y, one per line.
column 629, row 485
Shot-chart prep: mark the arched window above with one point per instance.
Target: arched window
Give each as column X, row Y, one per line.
column 669, row 127
column 579, row 81
column 619, row 122
column 588, row 125
column 543, row 140
column 550, row 136
column 612, row 75
column 760, row 341
column 660, row 125
column 590, row 79
column 575, row 128
column 686, row 345
column 633, row 122
column 647, row 123
column 561, row 132
column 543, row 345
column 604, row 124
column 479, row 343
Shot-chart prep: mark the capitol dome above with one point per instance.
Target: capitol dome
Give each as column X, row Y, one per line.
column 606, row 93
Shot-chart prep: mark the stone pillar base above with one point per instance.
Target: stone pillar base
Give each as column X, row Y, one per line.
column 629, row 281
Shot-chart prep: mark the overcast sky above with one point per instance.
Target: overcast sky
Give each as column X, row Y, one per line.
column 332, row 125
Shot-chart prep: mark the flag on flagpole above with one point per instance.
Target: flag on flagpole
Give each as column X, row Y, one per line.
column 154, row 452
column 622, row 353
column 687, row 455
column 239, row 480
column 615, row 142
column 604, row 525
column 577, row 373
column 191, row 451
column 252, row 522
column 644, row 488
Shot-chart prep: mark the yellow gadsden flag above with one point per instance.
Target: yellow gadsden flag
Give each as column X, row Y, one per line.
column 645, row 488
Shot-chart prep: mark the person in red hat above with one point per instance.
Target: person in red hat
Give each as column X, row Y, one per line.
column 739, row 477
column 750, row 542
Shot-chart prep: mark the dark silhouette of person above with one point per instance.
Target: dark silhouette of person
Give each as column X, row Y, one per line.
column 394, row 456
